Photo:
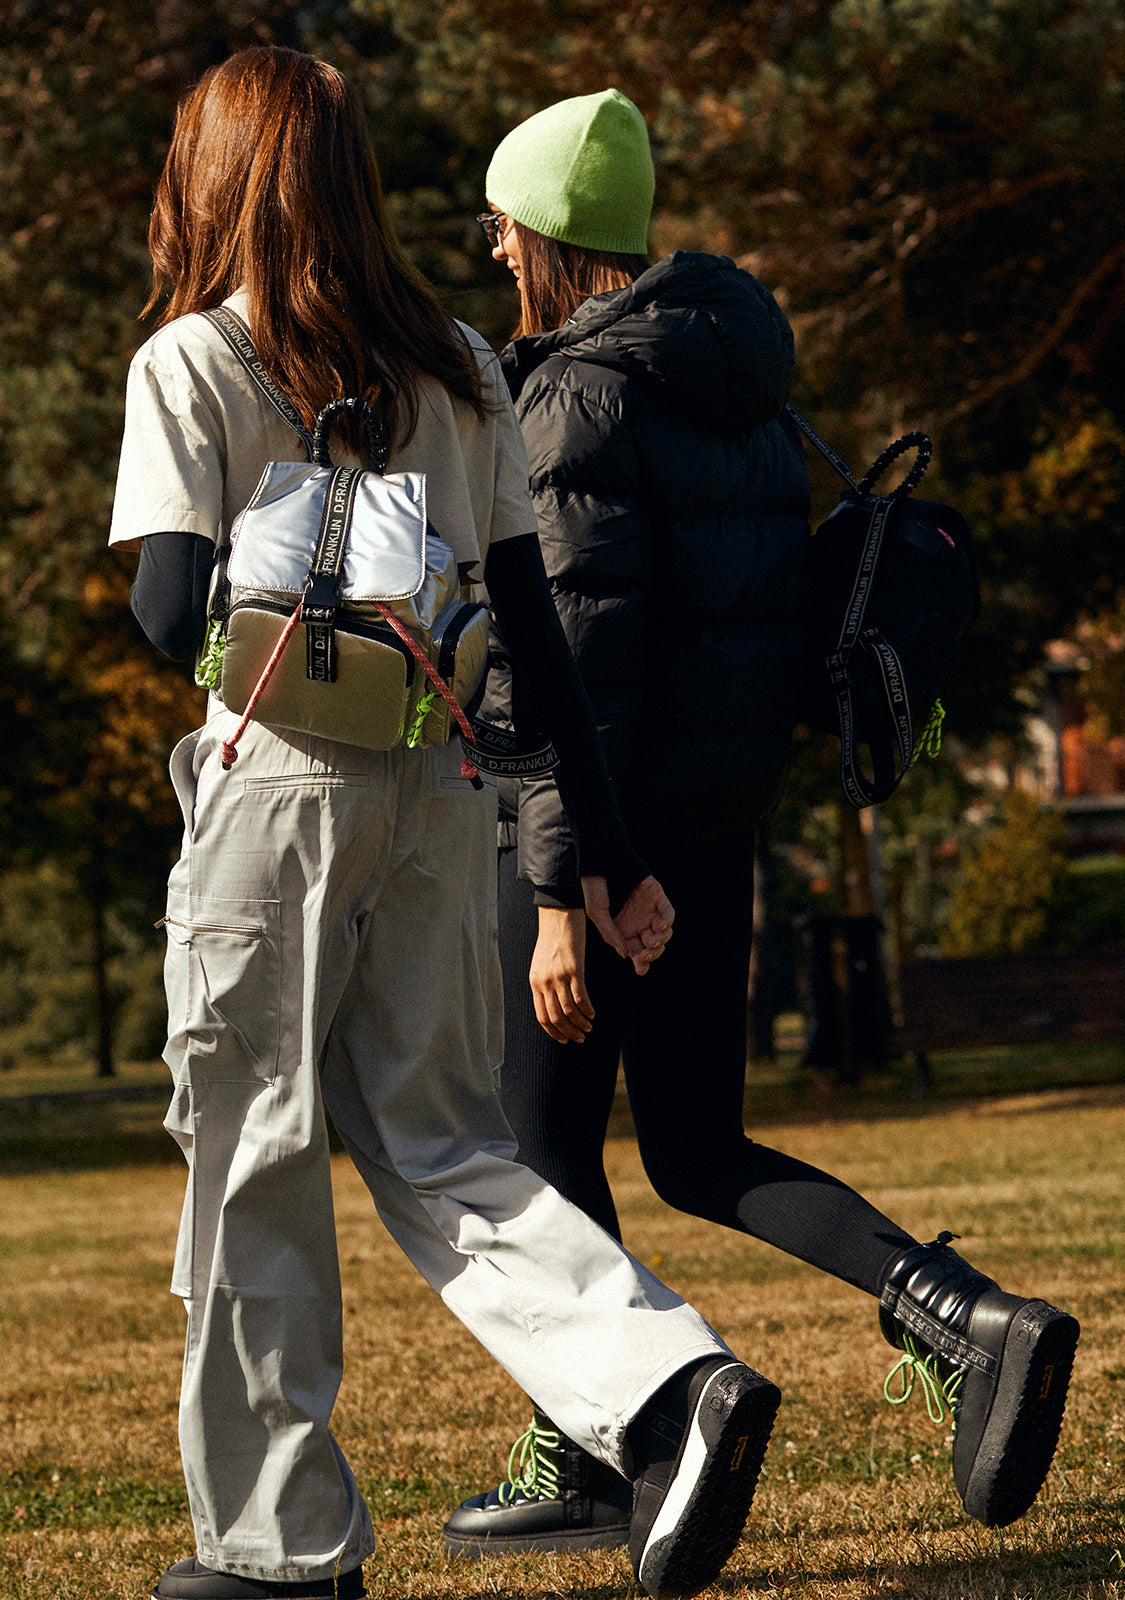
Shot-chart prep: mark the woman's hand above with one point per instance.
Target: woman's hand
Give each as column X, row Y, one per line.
column 558, row 982
column 640, row 929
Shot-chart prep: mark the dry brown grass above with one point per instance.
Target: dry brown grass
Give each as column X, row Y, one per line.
column 856, row 1499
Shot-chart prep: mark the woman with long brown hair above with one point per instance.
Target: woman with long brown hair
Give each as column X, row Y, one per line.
column 672, row 501
column 331, row 917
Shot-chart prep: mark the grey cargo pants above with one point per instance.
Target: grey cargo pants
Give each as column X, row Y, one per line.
column 331, row 942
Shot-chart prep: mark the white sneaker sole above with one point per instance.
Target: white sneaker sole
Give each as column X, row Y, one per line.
column 704, row 1510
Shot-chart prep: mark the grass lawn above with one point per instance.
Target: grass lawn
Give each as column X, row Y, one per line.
column 856, row 1498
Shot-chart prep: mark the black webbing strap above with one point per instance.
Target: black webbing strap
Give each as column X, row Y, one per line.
column 858, row 788
column 237, row 336
column 322, row 586
column 908, row 441
column 836, row 462
column 498, row 751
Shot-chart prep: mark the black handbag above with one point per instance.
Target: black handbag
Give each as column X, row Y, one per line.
column 893, row 588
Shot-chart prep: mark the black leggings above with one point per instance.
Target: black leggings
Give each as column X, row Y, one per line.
column 680, row 1033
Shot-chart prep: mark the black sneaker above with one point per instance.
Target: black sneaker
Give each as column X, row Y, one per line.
column 1001, row 1364
column 699, row 1444
column 191, row 1580
column 556, row 1497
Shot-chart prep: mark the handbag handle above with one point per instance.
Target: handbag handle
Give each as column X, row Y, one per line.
column 376, row 429
column 909, row 441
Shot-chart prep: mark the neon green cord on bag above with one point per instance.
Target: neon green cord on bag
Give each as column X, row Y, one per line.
column 209, row 667
column 929, row 740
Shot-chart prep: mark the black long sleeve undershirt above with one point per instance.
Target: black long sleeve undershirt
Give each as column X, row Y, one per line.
column 169, row 595
column 169, row 600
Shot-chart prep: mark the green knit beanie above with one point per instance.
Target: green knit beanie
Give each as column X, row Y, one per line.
column 581, row 171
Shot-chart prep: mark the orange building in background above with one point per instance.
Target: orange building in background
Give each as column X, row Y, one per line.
column 1089, row 770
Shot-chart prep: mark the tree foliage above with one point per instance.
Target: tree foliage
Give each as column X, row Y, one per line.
column 931, row 187
column 1011, row 882
column 87, row 96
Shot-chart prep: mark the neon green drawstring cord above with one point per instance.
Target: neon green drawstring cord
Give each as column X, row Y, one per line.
column 929, row 740
column 209, row 667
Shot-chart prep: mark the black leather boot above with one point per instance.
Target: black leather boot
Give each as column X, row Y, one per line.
column 1002, row 1364
column 556, row 1497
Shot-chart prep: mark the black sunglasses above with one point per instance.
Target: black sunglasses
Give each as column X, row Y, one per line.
column 492, row 225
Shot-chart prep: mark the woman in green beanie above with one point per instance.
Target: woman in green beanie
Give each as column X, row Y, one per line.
column 672, row 500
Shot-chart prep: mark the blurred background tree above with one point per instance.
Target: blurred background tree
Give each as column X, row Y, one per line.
column 1011, row 878
column 931, row 188
column 87, row 97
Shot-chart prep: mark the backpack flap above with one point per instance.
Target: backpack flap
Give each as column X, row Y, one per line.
column 274, row 540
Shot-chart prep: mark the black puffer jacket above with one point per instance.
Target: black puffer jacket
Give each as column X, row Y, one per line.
column 672, row 504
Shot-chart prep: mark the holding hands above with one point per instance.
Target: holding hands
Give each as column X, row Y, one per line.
column 642, row 927
column 639, row 933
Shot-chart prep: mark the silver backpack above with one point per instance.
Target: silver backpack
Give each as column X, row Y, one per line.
column 393, row 649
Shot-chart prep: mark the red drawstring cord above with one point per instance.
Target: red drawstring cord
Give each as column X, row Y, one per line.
column 230, row 754
column 227, row 748
column 468, row 770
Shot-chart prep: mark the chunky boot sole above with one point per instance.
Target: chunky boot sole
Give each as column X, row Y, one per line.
column 690, row 1514
column 471, row 1546
column 1008, row 1422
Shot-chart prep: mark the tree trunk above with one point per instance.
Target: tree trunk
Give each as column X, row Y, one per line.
column 857, row 890
column 103, row 1010
column 859, row 960
column 761, row 998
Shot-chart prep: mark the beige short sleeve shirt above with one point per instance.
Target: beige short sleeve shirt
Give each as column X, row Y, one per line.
column 198, row 435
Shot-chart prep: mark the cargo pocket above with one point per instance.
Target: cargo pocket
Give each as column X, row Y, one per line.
column 222, row 973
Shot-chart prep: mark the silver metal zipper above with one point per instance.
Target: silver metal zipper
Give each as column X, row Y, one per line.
column 255, row 932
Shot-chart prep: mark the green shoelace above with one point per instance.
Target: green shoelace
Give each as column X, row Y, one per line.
column 532, row 1470
column 941, row 1393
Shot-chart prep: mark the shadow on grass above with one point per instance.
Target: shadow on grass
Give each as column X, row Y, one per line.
column 73, row 1133
column 64, row 1125
column 32, row 1153
column 782, row 1091
column 1090, row 1567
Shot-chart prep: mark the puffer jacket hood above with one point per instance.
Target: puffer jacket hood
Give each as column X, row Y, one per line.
column 707, row 334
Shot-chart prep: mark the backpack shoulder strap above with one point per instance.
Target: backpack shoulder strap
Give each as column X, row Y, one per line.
column 237, row 336
column 836, row 462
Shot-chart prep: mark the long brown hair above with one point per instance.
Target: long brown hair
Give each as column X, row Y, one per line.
column 556, row 277
column 271, row 184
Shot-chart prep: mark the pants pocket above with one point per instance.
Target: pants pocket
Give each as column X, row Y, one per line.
column 222, row 976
